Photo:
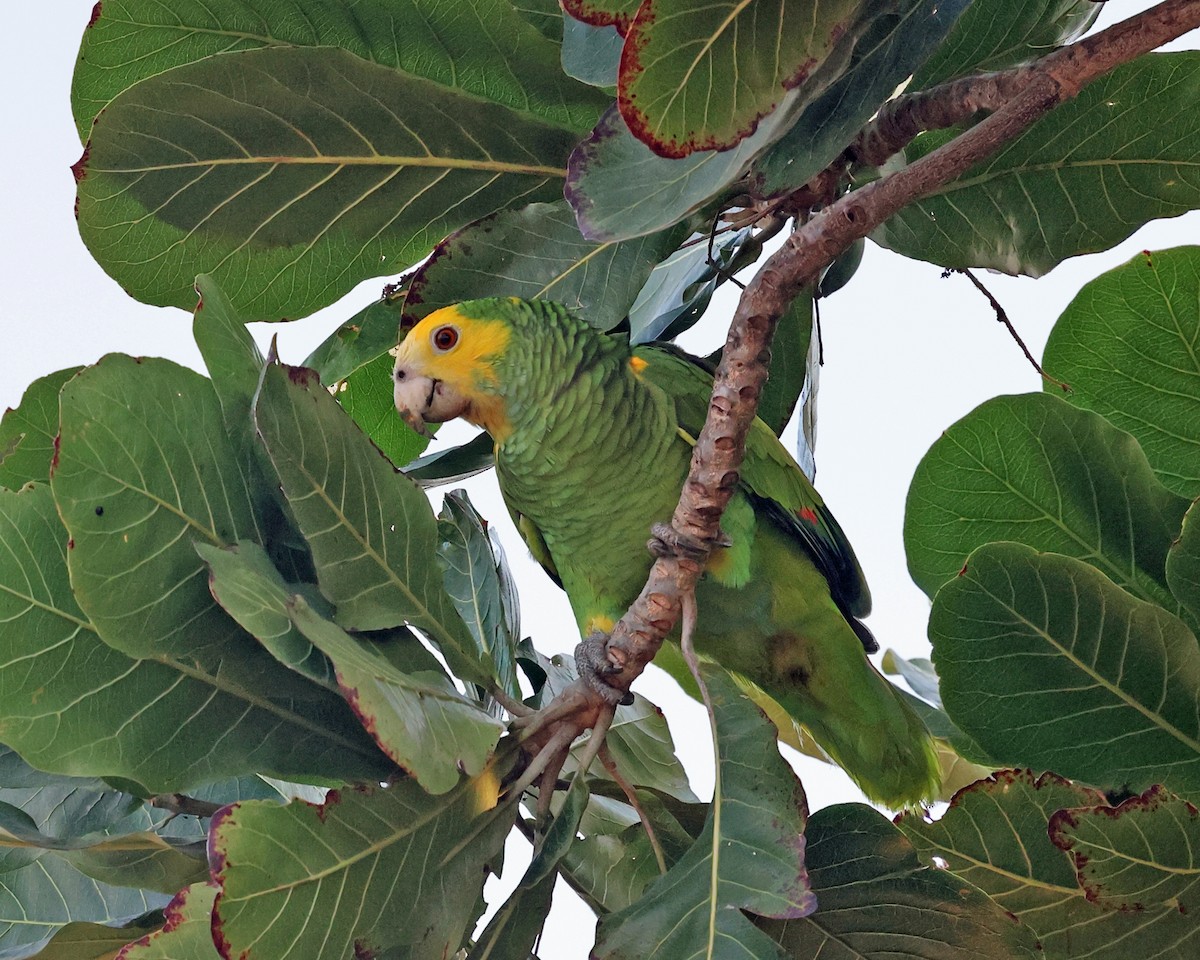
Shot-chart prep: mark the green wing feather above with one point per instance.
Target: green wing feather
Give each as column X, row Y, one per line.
column 777, row 485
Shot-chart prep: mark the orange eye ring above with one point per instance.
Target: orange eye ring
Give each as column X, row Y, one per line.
column 444, row 338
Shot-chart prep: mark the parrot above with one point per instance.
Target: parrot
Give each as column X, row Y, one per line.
column 593, row 439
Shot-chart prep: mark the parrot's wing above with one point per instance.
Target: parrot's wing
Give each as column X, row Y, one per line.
column 775, row 481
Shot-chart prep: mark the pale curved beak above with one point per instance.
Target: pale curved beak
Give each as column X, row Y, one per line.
column 421, row 400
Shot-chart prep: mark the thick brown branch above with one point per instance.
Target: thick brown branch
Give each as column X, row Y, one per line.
column 718, row 454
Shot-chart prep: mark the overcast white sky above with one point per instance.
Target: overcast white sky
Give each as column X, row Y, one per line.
column 907, row 354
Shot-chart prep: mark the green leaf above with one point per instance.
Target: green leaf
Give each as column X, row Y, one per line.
column 1128, row 346
column 619, row 189
column 366, row 394
column 994, row 34
column 794, row 366
column 142, row 860
column 247, row 585
column 750, row 855
column 1141, row 854
column 476, row 576
column 917, row 672
column 232, row 357
column 1034, row 469
column 876, row 900
column 1046, row 663
column 454, row 463
column 144, row 469
column 285, row 174
column 612, row 862
column 407, row 702
column 591, row 54
column 679, row 290
column 359, row 871
column 1080, row 180
column 537, row 253
column 701, row 76
column 512, row 932
column 369, row 334
column 27, row 432
column 1183, row 563
column 188, row 932
column 994, row 836
column 96, row 941
column 888, row 52
column 38, row 901
column 372, row 533
column 65, row 696
column 482, row 47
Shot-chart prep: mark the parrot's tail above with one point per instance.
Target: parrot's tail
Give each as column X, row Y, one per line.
column 882, row 744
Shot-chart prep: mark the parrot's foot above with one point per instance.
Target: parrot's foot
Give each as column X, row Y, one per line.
column 666, row 541
column 593, row 666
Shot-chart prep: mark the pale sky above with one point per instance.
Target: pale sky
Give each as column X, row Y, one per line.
column 907, row 354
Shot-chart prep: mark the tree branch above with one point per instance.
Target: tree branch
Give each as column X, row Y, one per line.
column 717, row 457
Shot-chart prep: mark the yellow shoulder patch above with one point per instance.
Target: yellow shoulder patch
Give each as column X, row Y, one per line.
column 637, row 365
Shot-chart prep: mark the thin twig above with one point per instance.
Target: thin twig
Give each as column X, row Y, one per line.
column 515, row 708
column 631, row 797
column 1002, row 317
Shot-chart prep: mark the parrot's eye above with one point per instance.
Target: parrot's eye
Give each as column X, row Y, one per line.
column 444, row 338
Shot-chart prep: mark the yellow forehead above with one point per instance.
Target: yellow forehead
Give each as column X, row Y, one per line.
column 469, row 360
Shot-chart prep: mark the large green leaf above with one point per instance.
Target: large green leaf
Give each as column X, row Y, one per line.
column 1034, row 469
column 750, row 855
column 364, row 871
column 143, row 471
column 38, row 901
column 994, row 34
column 71, row 704
column 1129, row 346
column 1143, row 854
column 876, row 901
column 188, row 931
column 412, row 709
column 994, row 835
column 1047, row 663
column 617, row 13
column 591, row 53
column 885, row 56
column 372, row 532
column 288, row 174
column 482, row 47
column 476, row 576
column 27, row 432
column 537, row 253
column 699, row 76
column 1081, row 179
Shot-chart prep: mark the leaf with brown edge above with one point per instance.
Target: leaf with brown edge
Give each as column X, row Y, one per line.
column 604, row 13
column 1141, row 854
column 701, row 76
column 187, row 934
column 994, row 836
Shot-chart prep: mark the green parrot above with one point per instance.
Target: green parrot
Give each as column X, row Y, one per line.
column 593, row 441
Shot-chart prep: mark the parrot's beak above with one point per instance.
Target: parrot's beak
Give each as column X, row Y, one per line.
column 422, row 400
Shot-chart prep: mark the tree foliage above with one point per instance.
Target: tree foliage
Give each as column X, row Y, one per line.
column 255, row 696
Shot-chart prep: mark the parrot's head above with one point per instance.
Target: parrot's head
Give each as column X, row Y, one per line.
column 447, row 366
